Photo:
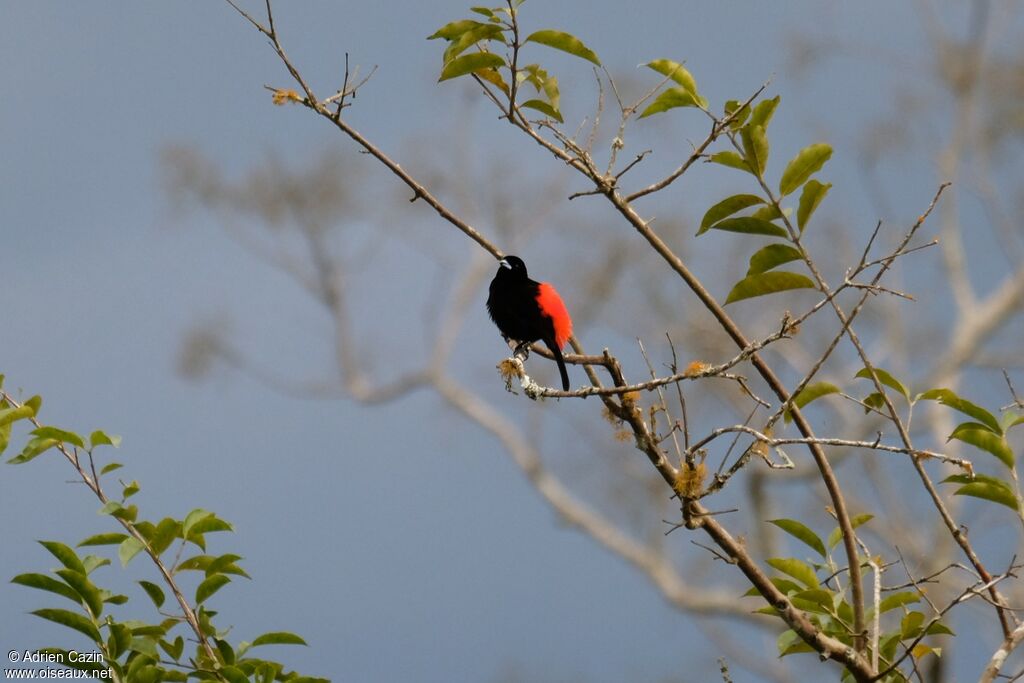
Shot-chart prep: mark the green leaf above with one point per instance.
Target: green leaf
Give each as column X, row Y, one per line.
column 806, row 163
column 1011, row 420
column 174, row 649
column 155, row 593
column 470, row 38
column 855, row 521
column 821, row 599
column 225, row 564
column 950, row 399
column 278, row 638
column 166, row 531
column 801, row 532
column 771, row 256
column 59, row 435
column 886, row 379
column 33, row 449
column 9, row 415
column 763, row 112
column 209, row 586
column 47, row 583
column 986, row 487
column 730, row 159
column 678, row 73
column 669, row 99
column 812, row 195
column 192, row 518
column 810, row 393
column 801, row 571
column 89, row 594
column 130, row 547
column 100, row 438
column 455, row 29
column 790, row 643
column 119, row 639
column 544, row 108
column 767, row 283
column 979, row 436
column 891, row 602
column 755, row 146
column 130, row 490
column 65, row 555
column 94, row 562
column 110, row 467
column 873, row 400
column 72, row 620
column 750, row 226
column 911, row 625
column 112, row 538
column 565, row 42
column 726, row 208
column 460, row 66
column 741, row 117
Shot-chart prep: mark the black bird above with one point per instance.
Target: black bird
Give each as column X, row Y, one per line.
column 526, row 311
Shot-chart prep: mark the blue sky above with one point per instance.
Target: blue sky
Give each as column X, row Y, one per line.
column 401, row 552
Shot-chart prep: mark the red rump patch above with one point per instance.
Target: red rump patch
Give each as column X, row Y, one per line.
column 552, row 306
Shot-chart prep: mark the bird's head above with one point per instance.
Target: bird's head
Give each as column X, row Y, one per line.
column 512, row 265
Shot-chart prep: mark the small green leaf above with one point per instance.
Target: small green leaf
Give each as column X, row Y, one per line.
column 192, row 518
column 72, row 620
column 678, row 73
column 209, row 586
column 895, row 600
column 911, row 625
column 9, row 415
column 61, row 435
column 950, row 399
column 94, row 562
column 129, row 548
column 984, row 486
column 772, row 256
column 726, row 208
column 669, row 99
column 47, row 583
column 812, row 195
column 166, row 531
column 763, row 112
column 33, row 449
column 767, row 283
column 100, row 438
column 112, row 538
column 155, row 593
column 65, row 554
column 470, row 38
column 455, row 29
column 801, row 571
column 790, row 643
column 130, row 490
column 755, row 146
column 730, row 159
column 90, row 595
column 110, row 467
column 806, row 163
column 810, row 393
column 278, row 638
column 873, row 400
column 460, row 66
column 544, row 108
column 740, row 118
column 886, row 379
column 855, row 521
column 750, row 226
column 565, row 42
column 801, row 532
column 979, row 436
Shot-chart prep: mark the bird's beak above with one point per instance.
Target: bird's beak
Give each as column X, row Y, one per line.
column 505, row 264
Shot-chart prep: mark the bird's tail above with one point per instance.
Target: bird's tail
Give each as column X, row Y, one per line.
column 551, row 344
